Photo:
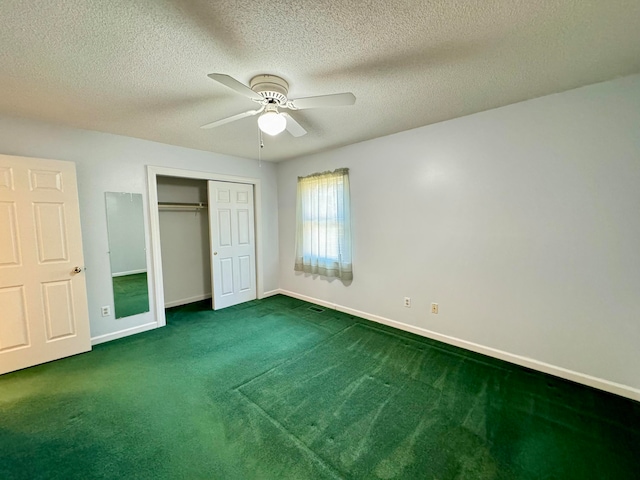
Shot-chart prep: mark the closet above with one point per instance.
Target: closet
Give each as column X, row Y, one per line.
column 206, row 229
column 184, row 240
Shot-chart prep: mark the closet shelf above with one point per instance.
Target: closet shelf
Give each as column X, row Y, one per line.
column 179, row 207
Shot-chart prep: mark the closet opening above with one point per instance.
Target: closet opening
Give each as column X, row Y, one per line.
column 184, row 240
column 205, row 238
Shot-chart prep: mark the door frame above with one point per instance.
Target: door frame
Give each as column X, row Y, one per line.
column 157, row 281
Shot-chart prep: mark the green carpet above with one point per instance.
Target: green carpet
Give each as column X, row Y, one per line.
column 271, row 389
column 130, row 295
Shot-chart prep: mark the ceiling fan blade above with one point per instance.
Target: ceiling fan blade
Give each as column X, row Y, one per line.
column 293, row 127
column 233, row 118
column 234, row 84
column 335, row 100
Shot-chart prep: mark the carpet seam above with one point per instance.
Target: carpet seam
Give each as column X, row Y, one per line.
column 462, row 355
column 299, row 443
column 292, row 359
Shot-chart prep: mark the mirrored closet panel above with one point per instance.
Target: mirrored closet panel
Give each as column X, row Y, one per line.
column 127, row 253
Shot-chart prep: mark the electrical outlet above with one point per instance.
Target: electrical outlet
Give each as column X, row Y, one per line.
column 407, row 302
column 434, row 308
column 106, row 311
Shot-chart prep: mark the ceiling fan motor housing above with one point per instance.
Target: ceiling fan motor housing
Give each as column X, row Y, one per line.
column 271, row 88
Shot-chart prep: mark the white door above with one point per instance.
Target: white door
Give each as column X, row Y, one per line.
column 233, row 251
column 43, row 299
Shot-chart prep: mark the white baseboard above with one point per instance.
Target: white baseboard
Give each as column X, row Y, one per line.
column 591, row 381
column 130, row 272
column 271, row 293
column 123, row 333
column 184, row 301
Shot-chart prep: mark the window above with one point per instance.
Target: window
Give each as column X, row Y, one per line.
column 323, row 225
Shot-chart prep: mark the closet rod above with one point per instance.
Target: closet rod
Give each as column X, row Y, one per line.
column 181, row 206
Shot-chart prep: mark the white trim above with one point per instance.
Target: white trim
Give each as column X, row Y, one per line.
column 184, row 301
column 123, row 333
column 271, row 293
column 155, row 282
column 130, row 272
column 154, row 219
column 589, row 380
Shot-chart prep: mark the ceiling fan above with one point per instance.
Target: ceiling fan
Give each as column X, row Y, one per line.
column 270, row 92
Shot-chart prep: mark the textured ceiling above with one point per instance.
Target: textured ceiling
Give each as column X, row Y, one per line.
column 139, row 68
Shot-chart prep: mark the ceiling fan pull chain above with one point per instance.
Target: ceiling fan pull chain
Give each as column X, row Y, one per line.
column 260, row 147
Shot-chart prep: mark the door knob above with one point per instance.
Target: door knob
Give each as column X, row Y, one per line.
column 215, row 253
column 77, row 270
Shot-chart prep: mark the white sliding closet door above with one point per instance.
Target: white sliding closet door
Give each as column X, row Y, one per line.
column 233, row 250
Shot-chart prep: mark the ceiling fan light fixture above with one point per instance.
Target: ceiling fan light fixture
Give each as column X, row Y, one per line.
column 271, row 93
column 272, row 122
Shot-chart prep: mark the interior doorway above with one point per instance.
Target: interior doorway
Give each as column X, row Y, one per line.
column 191, row 181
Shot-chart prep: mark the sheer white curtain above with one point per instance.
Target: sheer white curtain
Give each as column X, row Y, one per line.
column 323, row 225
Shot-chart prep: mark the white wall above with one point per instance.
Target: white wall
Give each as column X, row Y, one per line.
column 112, row 163
column 184, row 238
column 125, row 225
column 523, row 223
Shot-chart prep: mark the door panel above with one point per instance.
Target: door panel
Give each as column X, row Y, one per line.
column 242, row 197
column 224, row 227
column 14, row 331
column 233, row 267
column 243, row 227
column 50, row 232
column 46, row 180
column 245, row 272
column 6, row 177
column 42, row 300
column 223, row 195
column 58, row 309
column 226, row 276
column 9, row 242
